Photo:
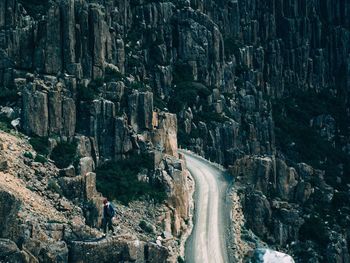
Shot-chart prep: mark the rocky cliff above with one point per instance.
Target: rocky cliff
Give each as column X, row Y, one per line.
column 41, row 223
column 258, row 86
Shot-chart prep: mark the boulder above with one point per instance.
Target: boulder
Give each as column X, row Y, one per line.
column 114, row 249
column 7, row 247
column 86, row 165
column 9, row 207
column 262, row 255
column 258, row 213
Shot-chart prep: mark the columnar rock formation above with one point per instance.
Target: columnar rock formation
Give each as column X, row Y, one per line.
column 259, row 85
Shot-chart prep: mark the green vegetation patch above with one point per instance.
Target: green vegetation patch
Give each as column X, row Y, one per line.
column 90, row 92
column 210, row 116
column 35, row 8
column 5, row 124
column 314, row 229
column 302, row 143
column 8, row 95
column 232, row 47
column 40, row 159
column 147, row 227
column 28, row 155
column 159, row 102
column 64, row 154
column 54, row 187
column 182, row 73
column 113, row 75
column 40, row 145
column 185, row 95
column 118, row 180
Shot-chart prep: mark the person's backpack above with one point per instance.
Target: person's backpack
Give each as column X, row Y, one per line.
column 111, row 211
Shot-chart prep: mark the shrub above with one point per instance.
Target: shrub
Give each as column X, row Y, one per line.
column 183, row 138
column 4, row 127
column 5, row 124
column 53, row 186
column 8, row 95
column 241, row 69
column 292, row 116
column 140, row 86
column 113, row 75
column 64, row 154
column 159, row 103
column 31, row 188
column 147, row 227
column 88, row 93
column 210, row 116
column 40, row 145
column 340, row 199
column 231, row 47
column 35, row 8
column 118, row 180
column 28, row 155
column 315, row 230
column 182, row 73
column 54, row 221
column 133, row 62
column 185, row 94
column 40, row 159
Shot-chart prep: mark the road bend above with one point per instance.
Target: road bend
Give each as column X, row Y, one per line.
column 207, row 243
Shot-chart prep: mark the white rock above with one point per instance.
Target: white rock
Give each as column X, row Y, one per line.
column 271, row 256
column 7, row 112
column 16, row 123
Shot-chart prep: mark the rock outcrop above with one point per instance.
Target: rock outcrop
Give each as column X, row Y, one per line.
column 44, row 220
column 110, row 250
column 279, row 203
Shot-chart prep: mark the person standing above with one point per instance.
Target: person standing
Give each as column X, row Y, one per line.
column 108, row 214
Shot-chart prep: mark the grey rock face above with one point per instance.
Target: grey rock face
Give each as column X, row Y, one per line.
column 8, row 247
column 122, row 139
column 165, row 136
column 47, row 111
column 258, row 213
column 69, row 117
column 11, row 253
column 10, row 206
column 35, row 113
column 140, row 110
column 269, row 181
column 112, row 249
column 246, row 54
column 266, row 175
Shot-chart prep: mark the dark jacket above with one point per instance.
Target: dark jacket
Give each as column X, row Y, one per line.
column 108, row 211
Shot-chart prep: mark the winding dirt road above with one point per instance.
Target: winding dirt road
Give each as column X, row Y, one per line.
column 207, row 243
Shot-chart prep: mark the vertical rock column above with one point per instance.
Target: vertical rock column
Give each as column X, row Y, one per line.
column 69, row 117
column 102, row 127
column 53, row 44
column 165, row 136
column 48, row 112
column 55, row 111
column 35, row 112
column 140, row 110
column 122, row 143
column 99, row 36
column 69, row 43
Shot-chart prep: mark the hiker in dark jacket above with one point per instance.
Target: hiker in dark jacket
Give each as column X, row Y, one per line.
column 108, row 214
